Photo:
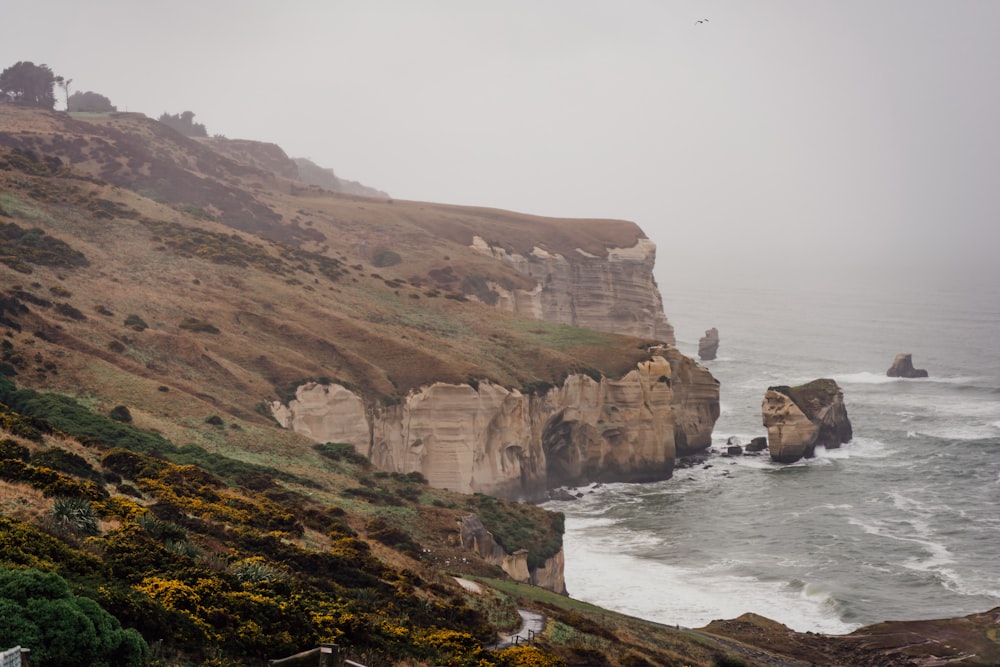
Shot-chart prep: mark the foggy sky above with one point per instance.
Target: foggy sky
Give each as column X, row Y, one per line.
column 853, row 137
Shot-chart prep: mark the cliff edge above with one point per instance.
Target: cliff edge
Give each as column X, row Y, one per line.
column 500, row 441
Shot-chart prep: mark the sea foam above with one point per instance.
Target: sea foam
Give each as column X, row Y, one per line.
column 601, row 573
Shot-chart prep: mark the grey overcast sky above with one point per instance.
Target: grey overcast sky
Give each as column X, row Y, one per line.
column 853, row 136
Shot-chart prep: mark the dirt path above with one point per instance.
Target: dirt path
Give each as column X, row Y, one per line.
column 532, row 624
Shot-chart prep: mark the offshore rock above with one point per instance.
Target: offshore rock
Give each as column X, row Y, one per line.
column 615, row 293
column 791, row 435
column 902, row 367
column 708, row 345
column 502, row 442
column 800, row 418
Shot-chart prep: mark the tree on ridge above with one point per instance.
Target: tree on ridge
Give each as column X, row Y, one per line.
column 29, row 84
column 90, row 102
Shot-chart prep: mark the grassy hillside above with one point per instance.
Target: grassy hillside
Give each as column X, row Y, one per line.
column 155, row 291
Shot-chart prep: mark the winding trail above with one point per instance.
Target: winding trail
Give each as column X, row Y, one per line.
column 532, row 624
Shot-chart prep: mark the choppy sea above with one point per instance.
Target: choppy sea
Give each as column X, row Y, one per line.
column 902, row 523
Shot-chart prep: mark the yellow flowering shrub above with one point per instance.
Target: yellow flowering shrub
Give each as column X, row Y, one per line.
column 528, row 656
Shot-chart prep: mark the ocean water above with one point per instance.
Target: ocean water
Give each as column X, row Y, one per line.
column 902, row 523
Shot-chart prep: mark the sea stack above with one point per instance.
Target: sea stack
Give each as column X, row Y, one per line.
column 902, row 367
column 800, row 418
column 708, row 345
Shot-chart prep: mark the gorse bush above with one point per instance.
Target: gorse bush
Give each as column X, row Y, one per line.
column 341, row 451
column 12, row 449
column 64, row 461
column 20, row 247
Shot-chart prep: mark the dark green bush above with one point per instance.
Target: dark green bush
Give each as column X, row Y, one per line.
column 64, row 461
column 341, row 451
column 198, row 326
column 19, row 246
column 384, row 257
column 12, row 449
column 393, row 536
column 376, row 496
column 135, row 322
column 67, row 310
column 62, row 630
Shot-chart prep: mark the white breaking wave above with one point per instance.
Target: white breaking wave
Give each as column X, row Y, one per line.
column 909, row 530
column 859, row 447
column 958, row 431
column 865, row 377
column 600, row 573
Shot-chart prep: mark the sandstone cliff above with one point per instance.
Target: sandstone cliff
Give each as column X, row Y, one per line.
column 502, row 442
column 616, row 292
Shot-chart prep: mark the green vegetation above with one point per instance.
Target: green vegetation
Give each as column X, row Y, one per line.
column 384, row 257
column 62, row 630
column 65, row 461
column 136, row 323
column 341, row 451
column 75, row 515
column 89, row 102
column 19, row 248
column 29, row 84
column 184, row 123
column 198, row 326
column 30, row 413
column 121, row 413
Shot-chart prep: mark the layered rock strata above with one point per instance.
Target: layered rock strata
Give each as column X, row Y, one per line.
column 708, row 345
column 615, row 293
column 902, row 367
column 502, row 442
column 476, row 538
column 800, row 418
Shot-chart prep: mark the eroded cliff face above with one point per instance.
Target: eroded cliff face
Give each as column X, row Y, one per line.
column 476, row 538
column 614, row 293
column 499, row 441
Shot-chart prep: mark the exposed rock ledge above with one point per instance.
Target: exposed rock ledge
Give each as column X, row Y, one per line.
column 499, row 441
column 615, row 293
column 476, row 538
